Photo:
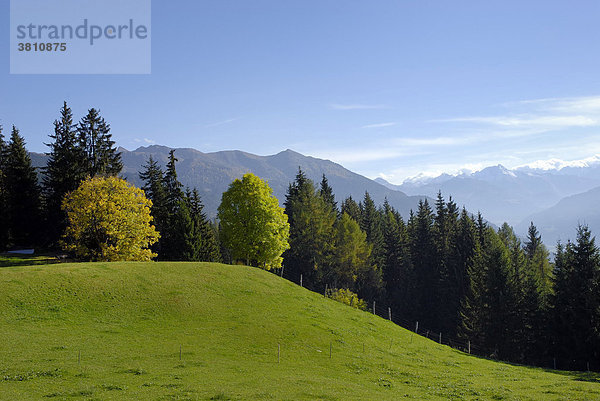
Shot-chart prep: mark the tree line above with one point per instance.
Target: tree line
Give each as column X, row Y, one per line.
column 439, row 265
column 452, row 272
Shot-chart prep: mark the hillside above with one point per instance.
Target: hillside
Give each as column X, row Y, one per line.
column 560, row 221
column 114, row 331
column 212, row 173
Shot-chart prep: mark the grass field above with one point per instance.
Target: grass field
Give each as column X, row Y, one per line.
column 25, row 260
column 197, row 331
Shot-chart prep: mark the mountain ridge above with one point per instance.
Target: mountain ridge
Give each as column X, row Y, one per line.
column 212, row 172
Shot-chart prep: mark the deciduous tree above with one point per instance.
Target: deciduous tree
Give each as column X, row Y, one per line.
column 109, row 220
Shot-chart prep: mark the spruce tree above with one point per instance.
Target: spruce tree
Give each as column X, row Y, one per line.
column 97, row 147
column 311, row 222
column 424, row 260
column 24, row 221
column 326, row 192
column 153, row 177
column 577, row 305
column 205, row 246
column 537, row 262
column 370, row 223
column 176, row 237
column 397, row 269
column 62, row 174
column 351, row 208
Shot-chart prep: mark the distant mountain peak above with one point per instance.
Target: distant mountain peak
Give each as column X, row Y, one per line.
column 559, row 164
column 495, row 171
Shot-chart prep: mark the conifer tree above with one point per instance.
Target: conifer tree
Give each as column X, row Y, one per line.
column 24, row 222
column 397, row 270
column 205, row 246
column 537, row 262
column 62, row 174
column 311, row 221
column 370, row 223
column 326, row 192
column 577, row 305
column 424, row 260
column 153, row 177
column 177, row 235
column 351, row 256
column 351, row 208
column 97, row 147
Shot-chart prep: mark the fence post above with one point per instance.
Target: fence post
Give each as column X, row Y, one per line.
column 554, row 361
column 390, row 313
column 469, row 344
column 325, row 294
column 440, row 337
column 301, row 280
column 281, row 275
column 374, row 307
column 417, row 328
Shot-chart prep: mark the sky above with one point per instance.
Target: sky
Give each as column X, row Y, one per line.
column 385, row 88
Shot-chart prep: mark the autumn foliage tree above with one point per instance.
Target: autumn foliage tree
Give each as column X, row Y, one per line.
column 253, row 225
column 109, row 220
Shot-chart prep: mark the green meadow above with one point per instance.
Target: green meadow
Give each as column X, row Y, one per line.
column 202, row 331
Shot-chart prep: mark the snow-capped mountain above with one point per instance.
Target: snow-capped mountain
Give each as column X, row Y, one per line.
column 521, row 194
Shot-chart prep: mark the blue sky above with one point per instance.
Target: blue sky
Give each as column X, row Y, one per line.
column 386, row 88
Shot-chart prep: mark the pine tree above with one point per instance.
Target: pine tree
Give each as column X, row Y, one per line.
column 153, row 177
column 177, row 235
column 351, row 208
column 205, row 246
column 397, row 270
column 424, row 259
column 577, row 305
column 24, row 220
column 63, row 173
column 445, row 230
column 538, row 265
column 311, row 222
column 97, row 147
column 326, row 192
column 370, row 223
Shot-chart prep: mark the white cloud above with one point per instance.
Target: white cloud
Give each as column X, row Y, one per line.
column 218, row 123
column 549, row 122
column 338, row 106
column 541, row 115
column 379, row 125
column 557, row 164
column 145, row 140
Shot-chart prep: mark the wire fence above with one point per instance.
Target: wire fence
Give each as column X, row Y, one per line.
column 461, row 344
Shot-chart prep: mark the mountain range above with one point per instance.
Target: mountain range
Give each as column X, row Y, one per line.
column 556, row 196
column 211, row 174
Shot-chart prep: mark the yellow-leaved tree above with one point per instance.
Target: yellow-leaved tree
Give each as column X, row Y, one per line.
column 253, row 225
column 109, row 220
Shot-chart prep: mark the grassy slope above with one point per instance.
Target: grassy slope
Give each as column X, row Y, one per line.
column 129, row 320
